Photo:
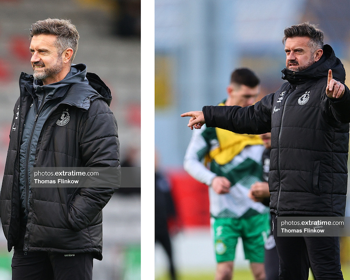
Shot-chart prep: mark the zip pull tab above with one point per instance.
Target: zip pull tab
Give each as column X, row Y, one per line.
column 16, row 118
column 36, row 117
column 17, row 113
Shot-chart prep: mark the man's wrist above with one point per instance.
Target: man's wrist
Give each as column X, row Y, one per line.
column 211, row 180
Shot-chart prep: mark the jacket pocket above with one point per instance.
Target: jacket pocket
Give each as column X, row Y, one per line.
column 71, row 195
column 315, row 178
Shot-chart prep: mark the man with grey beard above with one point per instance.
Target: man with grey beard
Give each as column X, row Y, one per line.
column 308, row 118
column 61, row 119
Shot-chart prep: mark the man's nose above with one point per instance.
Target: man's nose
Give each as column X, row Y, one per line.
column 291, row 56
column 35, row 57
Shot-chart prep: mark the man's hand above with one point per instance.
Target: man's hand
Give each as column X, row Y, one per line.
column 334, row 88
column 197, row 119
column 221, row 185
column 258, row 191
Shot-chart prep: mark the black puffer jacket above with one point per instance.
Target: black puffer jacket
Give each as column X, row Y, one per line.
column 310, row 138
column 65, row 220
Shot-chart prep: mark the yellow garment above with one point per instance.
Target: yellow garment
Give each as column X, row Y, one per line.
column 231, row 144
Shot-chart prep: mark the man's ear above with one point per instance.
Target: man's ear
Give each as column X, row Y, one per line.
column 229, row 89
column 318, row 54
column 67, row 55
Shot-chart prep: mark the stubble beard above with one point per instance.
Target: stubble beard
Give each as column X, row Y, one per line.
column 49, row 72
column 301, row 68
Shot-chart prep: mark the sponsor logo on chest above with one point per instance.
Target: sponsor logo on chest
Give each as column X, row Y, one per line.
column 280, row 98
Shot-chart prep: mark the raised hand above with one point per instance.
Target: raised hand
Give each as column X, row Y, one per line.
column 334, row 88
column 197, row 119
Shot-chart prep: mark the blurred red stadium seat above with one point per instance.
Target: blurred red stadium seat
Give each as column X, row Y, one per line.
column 5, row 71
column 134, row 114
column 4, row 134
column 19, row 47
column 191, row 199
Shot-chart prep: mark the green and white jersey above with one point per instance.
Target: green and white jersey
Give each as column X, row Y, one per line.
column 242, row 170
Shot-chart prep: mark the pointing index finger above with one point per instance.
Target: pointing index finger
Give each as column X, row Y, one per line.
column 188, row 114
column 330, row 76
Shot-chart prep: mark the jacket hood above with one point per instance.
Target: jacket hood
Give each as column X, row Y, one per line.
column 318, row 70
column 97, row 84
column 82, row 76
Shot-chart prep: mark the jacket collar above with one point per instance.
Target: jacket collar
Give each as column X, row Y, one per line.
column 79, row 94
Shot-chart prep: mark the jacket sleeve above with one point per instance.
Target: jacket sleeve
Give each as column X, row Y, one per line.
column 255, row 119
column 195, row 153
column 340, row 107
column 99, row 147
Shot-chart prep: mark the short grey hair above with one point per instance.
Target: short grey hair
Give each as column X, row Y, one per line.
column 66, row 32
column 305, row 30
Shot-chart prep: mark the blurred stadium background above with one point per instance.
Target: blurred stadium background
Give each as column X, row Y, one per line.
column 197, row 45
column 110, row 46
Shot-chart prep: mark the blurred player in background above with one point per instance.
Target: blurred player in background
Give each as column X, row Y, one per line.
column 234, row 165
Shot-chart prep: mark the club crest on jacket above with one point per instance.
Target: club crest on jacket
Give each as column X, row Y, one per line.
column 304, row 98
column 64, row 119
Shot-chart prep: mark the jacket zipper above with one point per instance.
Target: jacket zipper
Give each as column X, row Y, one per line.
column 28, row 153
column 38, row 110
column 279, row 156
